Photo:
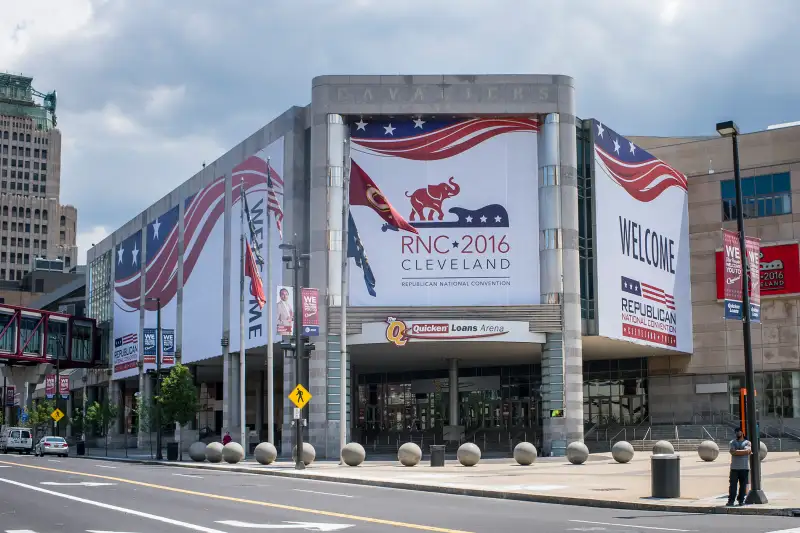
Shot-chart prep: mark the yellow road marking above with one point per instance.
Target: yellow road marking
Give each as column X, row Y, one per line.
column 243, row 500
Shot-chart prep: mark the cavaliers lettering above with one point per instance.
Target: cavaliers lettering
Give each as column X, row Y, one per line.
column 646, row 245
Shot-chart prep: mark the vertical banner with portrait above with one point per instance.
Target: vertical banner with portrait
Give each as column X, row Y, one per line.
column 63, row 387
column 284, row 309
column 50, row 386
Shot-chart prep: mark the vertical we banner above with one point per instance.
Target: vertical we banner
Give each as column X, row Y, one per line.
column 733, row 272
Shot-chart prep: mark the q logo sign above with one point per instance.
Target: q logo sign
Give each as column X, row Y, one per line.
column 396, row 332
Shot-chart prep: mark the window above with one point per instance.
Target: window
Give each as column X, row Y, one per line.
column 2, row 273
column 14, row 136
column 3, row 257
column 63, row 221
column 27, row 152
column 13, row 226
column 36, row 243
column 27, row 243
column 24, row 186
column 28, row 138
column 19, row 275
column 5, row 225
column 13, row 186
column 35, row 176
column 27, row 259
column 44, row 214
column 5, row 210
column 44, row 153
column 36, row 228
column 44, row 228
column 36, row 153
column 27, row 227
column 4, row 241
column 4, row 184
column 762, row 196
column 13, row 150
column 13, row 212
column 44, row 166
column 35, row 188
column 13, row 241
column 41, row 189
column 62, row 237
column 27, row 212
column 13, row 258
column 67, row 261
column 36, row 214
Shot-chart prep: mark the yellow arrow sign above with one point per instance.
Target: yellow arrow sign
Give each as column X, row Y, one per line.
column 300, row 396
column 57, row 415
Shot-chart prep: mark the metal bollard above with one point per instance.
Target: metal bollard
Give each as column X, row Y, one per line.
column 665, row 475
column 437, row 455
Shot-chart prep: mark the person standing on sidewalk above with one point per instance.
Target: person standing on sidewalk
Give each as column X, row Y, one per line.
column 740, row 467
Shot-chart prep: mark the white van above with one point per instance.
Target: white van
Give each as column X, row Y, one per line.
column 16, row 439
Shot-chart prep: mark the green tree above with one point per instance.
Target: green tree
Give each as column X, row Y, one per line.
column 178, row 401
column 101, row 416
column 39, row 419
column 145, row 413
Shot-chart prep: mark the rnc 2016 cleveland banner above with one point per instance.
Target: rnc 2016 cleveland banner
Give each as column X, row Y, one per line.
column 642, row 245
column 468, row 188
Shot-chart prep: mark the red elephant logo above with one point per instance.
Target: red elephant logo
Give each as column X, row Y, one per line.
column 431, row 198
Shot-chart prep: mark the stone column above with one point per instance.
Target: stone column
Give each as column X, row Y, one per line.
column 562, row 364
column 260, row 404
column 453, row 394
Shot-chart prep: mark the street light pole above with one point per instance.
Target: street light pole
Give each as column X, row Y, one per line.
column 756, row 494
column 159, row 454
column 294, row 263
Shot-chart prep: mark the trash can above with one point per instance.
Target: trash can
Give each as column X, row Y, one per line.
column 665, row 475
column 172, row 451
column 81, row 448
column 437, row 455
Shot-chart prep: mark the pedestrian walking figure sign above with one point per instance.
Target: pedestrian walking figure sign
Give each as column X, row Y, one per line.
column 300, row 396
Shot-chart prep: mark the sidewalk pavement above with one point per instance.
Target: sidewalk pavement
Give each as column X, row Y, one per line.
column 600, row 482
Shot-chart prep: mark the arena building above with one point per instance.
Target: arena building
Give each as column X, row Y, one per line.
column 496, row 245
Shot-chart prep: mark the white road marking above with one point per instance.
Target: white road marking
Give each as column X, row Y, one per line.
column 324, row 493
column 188, row 475
column 5, row 466
column 795, row 530
column 19, row 531
column 54, row 460
column 77, row 484
column 104, row 466
column 125, row 510
column 631, row 525
column 93, row 531
column 308, row 526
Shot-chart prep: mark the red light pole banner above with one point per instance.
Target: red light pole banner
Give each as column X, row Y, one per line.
column 732, row 275
column 50, row 386
column 753, row 251
column 63, row 386
column 310, row 312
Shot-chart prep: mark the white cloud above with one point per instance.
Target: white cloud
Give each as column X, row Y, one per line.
column 148, row 89
column 38, row 21
column 163, row 100
column 87, row 238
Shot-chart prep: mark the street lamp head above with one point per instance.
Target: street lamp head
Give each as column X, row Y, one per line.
column 727, row 128
column 305, row 257
column 286, row 246
column 287, row 258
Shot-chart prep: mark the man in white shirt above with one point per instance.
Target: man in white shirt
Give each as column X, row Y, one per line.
column 285, row 313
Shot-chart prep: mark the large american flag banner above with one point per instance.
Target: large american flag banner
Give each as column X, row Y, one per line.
column 430, row 140
column 638, row 172
column 201, row 214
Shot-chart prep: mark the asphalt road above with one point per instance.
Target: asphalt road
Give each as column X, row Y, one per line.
column 49, row 495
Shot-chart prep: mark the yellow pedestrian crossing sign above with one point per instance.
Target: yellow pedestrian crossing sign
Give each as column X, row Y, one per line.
column 57, row 415
column 300, row 396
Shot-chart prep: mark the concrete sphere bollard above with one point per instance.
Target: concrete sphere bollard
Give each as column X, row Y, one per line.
column 708, row 451
column 763, row 450
column 197, row 451
column 309, row 454
column 525, row 453
column 577, row 453
column 663, row 447
column 232, row 452
column 622, row 452
column 409, row 454
column 214, row 452
column 468, row 454
column 266, row 453
column 353, row 454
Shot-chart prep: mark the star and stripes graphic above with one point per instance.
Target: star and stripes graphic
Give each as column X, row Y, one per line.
column 648, row 292
column 202, row 212
column 642, row 176
column 431, row 140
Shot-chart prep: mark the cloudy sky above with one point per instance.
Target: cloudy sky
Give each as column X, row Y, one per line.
column 149, row 89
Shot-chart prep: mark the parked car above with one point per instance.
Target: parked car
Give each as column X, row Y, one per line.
column 52, row 446
column 16, row 439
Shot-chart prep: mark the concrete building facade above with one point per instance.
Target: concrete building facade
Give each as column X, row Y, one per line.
column 553, row 378
column 33, row 223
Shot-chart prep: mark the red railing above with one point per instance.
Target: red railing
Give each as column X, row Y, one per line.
column 38, row 336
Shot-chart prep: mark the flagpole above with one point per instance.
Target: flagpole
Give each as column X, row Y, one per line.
column 242, row 350
column 343, row 322
column 270, row 326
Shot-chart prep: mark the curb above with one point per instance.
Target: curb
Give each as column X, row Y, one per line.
column 481, row 493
